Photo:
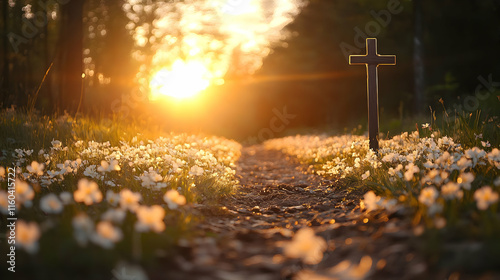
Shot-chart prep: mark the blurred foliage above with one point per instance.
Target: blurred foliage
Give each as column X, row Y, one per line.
column 308, row 72
column 460, row 42
column 60, row 256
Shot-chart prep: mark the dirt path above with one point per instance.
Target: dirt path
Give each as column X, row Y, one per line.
column 277, row 197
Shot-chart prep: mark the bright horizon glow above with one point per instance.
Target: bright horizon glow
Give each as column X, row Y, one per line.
column 182, row 80
column 240, row 7
column 213, row 38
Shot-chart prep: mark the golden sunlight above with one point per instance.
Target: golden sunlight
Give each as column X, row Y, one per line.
column 183, row 80
column 214, row 38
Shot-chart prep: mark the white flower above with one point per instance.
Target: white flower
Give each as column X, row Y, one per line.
column 486, row 144
column 114, row 215
column 27, row 235
column 410, row 170
column 20, row 153
column 56, row 144
column 24, row 193
column 112, row 197
column 428, row 196
column 174, row 199
column 451, row 190
column 425, row 125
column 196, row 171
column 484, row 197
column 357, row 162
column 365, row 175
column 177, row 164
column 494, row 157
column 110, row 183
column 371, row 201
column 108, row 167
column 104, row 166
column 66, row 167
column 129, row 200
column 83, row 228
column 345, row 270
column 440, row 222
column 389, row 157
column 306, row 246
column 152, row 179
column 445, row 141
column 475, row 154
column 465, row 180
column 348, row 170
column 464, row 163
column 390, row 205
column 106, row 235
column 435, row 177
column 91, row 172
column 88, row 192
column 51, row 204
column 445, row 160
column 394, row 172
column 36, row 168
column 496, row 183
column 66, row 197
column 150, row 218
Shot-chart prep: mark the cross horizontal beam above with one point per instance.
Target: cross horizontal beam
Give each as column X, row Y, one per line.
column 372, row 60
column 372, row 57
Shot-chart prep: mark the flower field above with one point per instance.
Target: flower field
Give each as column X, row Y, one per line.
column 91, row 197
column 84, row 205
column 449, row 189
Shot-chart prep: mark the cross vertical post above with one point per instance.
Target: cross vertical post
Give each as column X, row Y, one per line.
column 372, row 60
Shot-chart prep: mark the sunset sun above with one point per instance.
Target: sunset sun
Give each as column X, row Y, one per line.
column 249, row 139
column 181, row 80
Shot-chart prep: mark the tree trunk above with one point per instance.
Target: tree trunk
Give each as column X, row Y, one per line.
column 70, row 54
column 5, row 53
column 418, row 58
column 49, row 103
column 114, row 60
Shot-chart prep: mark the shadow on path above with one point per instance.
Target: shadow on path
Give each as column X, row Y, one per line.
column 243, row 237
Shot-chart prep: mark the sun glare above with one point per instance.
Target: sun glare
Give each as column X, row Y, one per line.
column 217, row 38
column 182, row 80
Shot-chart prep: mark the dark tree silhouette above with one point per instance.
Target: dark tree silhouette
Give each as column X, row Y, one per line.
column 117, row 46
column 418, row 58
column 69, row 56
column 5, row 51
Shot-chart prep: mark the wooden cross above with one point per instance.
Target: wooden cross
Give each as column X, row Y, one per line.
column 372, row 60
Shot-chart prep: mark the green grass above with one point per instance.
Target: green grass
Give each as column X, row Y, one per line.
column 453, row 226
column 29, row 138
